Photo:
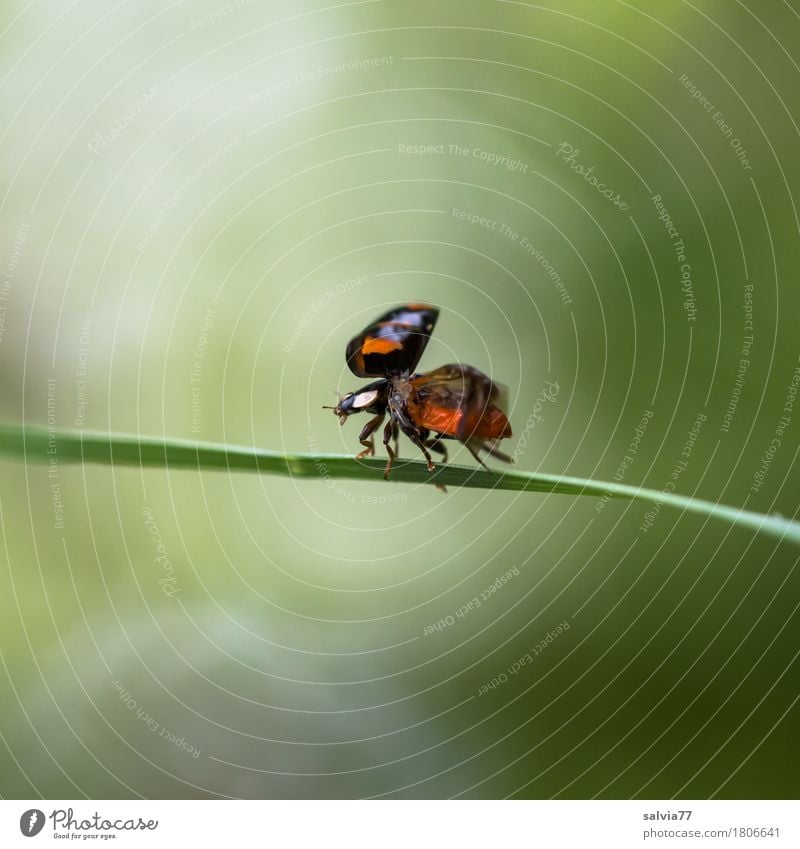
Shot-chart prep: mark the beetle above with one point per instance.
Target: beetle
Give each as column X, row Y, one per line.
column 455, row 401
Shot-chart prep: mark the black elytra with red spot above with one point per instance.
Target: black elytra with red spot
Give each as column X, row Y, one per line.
column 394, row 343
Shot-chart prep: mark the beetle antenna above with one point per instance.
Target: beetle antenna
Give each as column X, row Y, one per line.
column 338, row 399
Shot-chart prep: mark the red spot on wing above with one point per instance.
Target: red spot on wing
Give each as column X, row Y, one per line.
column 378, row 345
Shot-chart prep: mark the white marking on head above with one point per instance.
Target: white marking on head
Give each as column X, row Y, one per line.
column 364, row 399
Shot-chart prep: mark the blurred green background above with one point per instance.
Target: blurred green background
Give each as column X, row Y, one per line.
column 201, row 203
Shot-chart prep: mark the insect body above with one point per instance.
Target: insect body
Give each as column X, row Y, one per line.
column 453, row 402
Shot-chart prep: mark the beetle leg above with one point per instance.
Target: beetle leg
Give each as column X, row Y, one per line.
column 415, row 436
column 495, row 452
column 415, row 433
column 428, row 460
column 388, row 432
column 365, row 437
column 474, row 453
column 436, row 445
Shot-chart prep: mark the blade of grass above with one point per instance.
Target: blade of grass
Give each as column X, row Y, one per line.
column 36, row 444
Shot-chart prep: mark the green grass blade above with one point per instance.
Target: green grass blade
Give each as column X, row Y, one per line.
column 34, row 444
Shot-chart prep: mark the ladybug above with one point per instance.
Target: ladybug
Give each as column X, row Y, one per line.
column 452, row 402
